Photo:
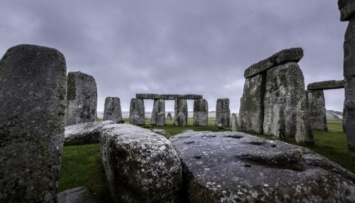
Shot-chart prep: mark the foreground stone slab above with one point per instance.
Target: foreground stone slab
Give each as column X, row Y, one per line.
column 238, row 167
column 84, row 133
column 82, row 98
column 316, row 110
column 140, row 165
column 112, row 110
column 326, row 85
column 33, row 99
column 76, row 195
column 281, row 57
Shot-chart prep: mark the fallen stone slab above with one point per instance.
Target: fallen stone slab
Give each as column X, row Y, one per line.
column 281, row 57
column 147, row 96
column 238, row 167
column 326, row 85
column 76, row 195
column 140, row 165
column 84, row 133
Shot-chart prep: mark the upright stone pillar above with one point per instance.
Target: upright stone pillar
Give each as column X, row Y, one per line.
column 112, row 110
column 234, row 122
column 316, row 110
column 347, row 10
column 304, row 134
column 200, row 112
column 222, row 112
column 33, row 100
column 158, row 113
column 181, row 113
column 137, row 112
column 82, row 98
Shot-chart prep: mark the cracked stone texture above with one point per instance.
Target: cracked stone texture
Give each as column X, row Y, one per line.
column 140, row 165
column 316, row 110
column 238, row 167
column 136, row 112
column 158, row 113
column 112, row 109
column 200, row 112
column 33, row 89
column 81, row 98
column 223, row 112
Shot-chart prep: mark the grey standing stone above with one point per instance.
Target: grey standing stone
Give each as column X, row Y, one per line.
column 169, row 117
column 33, row 100
column 304, row 134
column 284, row 89
column 112, row 109
column 158, row 113
column 200, row 112
column 136, row 112
column 251, row 111
column 234, row 122
column 82, row 98
column 223, row 112
column 316, row 110
column 180, row 112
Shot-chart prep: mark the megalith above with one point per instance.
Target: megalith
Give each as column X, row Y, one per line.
column 347, row 11
column 200, row 112
column 82, row 98
column 304, row 134
column 180, row 112
column 234, row 122
column 158, row 113
column 136, row 112
column 316, row 110
column 112, row 109
column 33, row 87
column 222, row 112
column 283, row 90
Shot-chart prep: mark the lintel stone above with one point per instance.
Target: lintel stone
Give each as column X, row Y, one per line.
column 147, row 96
column 326, row 85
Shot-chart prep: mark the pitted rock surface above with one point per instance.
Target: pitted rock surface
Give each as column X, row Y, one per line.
column 84, row 133
column 140, row 165
column 238, row 167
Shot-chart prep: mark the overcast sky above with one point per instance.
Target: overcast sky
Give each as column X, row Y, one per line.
column 179, row 46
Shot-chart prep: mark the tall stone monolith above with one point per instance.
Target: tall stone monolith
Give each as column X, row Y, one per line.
column 82, row 98
column 304, row 134
column 158, row 113
column 136, row 112
column 234, row 122
column 316, row 110
column 284, row 88
column 32, row 113
column 200, row 112
column 180, row 112
column 112, row 109
column 347, row 11
column 223, row 112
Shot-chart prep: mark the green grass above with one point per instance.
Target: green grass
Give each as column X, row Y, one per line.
column 81, row 165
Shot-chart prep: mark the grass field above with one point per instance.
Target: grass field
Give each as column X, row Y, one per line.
column 81, row 165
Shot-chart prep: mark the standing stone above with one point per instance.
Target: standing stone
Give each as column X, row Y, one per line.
column 158, row 113
column 82, row 98
column 169, row 117
column 316, row 110
column 113, row 109
column 136, row 112
column 222, row 112
column 304, row 133
column 284, row 89
column 200, row 112
column 234, row 122
column 180, row 112
column 251, row 111
column 33, row 99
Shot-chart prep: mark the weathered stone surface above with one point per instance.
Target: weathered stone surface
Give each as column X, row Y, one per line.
column 251, row 111
column 159, row 131
column 170, row 96
column 180, row 112
column 347, row 9
column 326, row 85
column 223, row 112
column 84, row 133
column 200, row 112
column 147, row 96
column 237, row 167
column 136, row 112
column 304, row 133
column 33, row 99
column 234, row 122
column 316, row 110
column 191, row 96
column 141, row 166
column 281, row 57
column 158, row 113
column 112, row 109
column 349, row 111
column 284, row 88
column 82, row 98
column 349, row 51
column 76, row 195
